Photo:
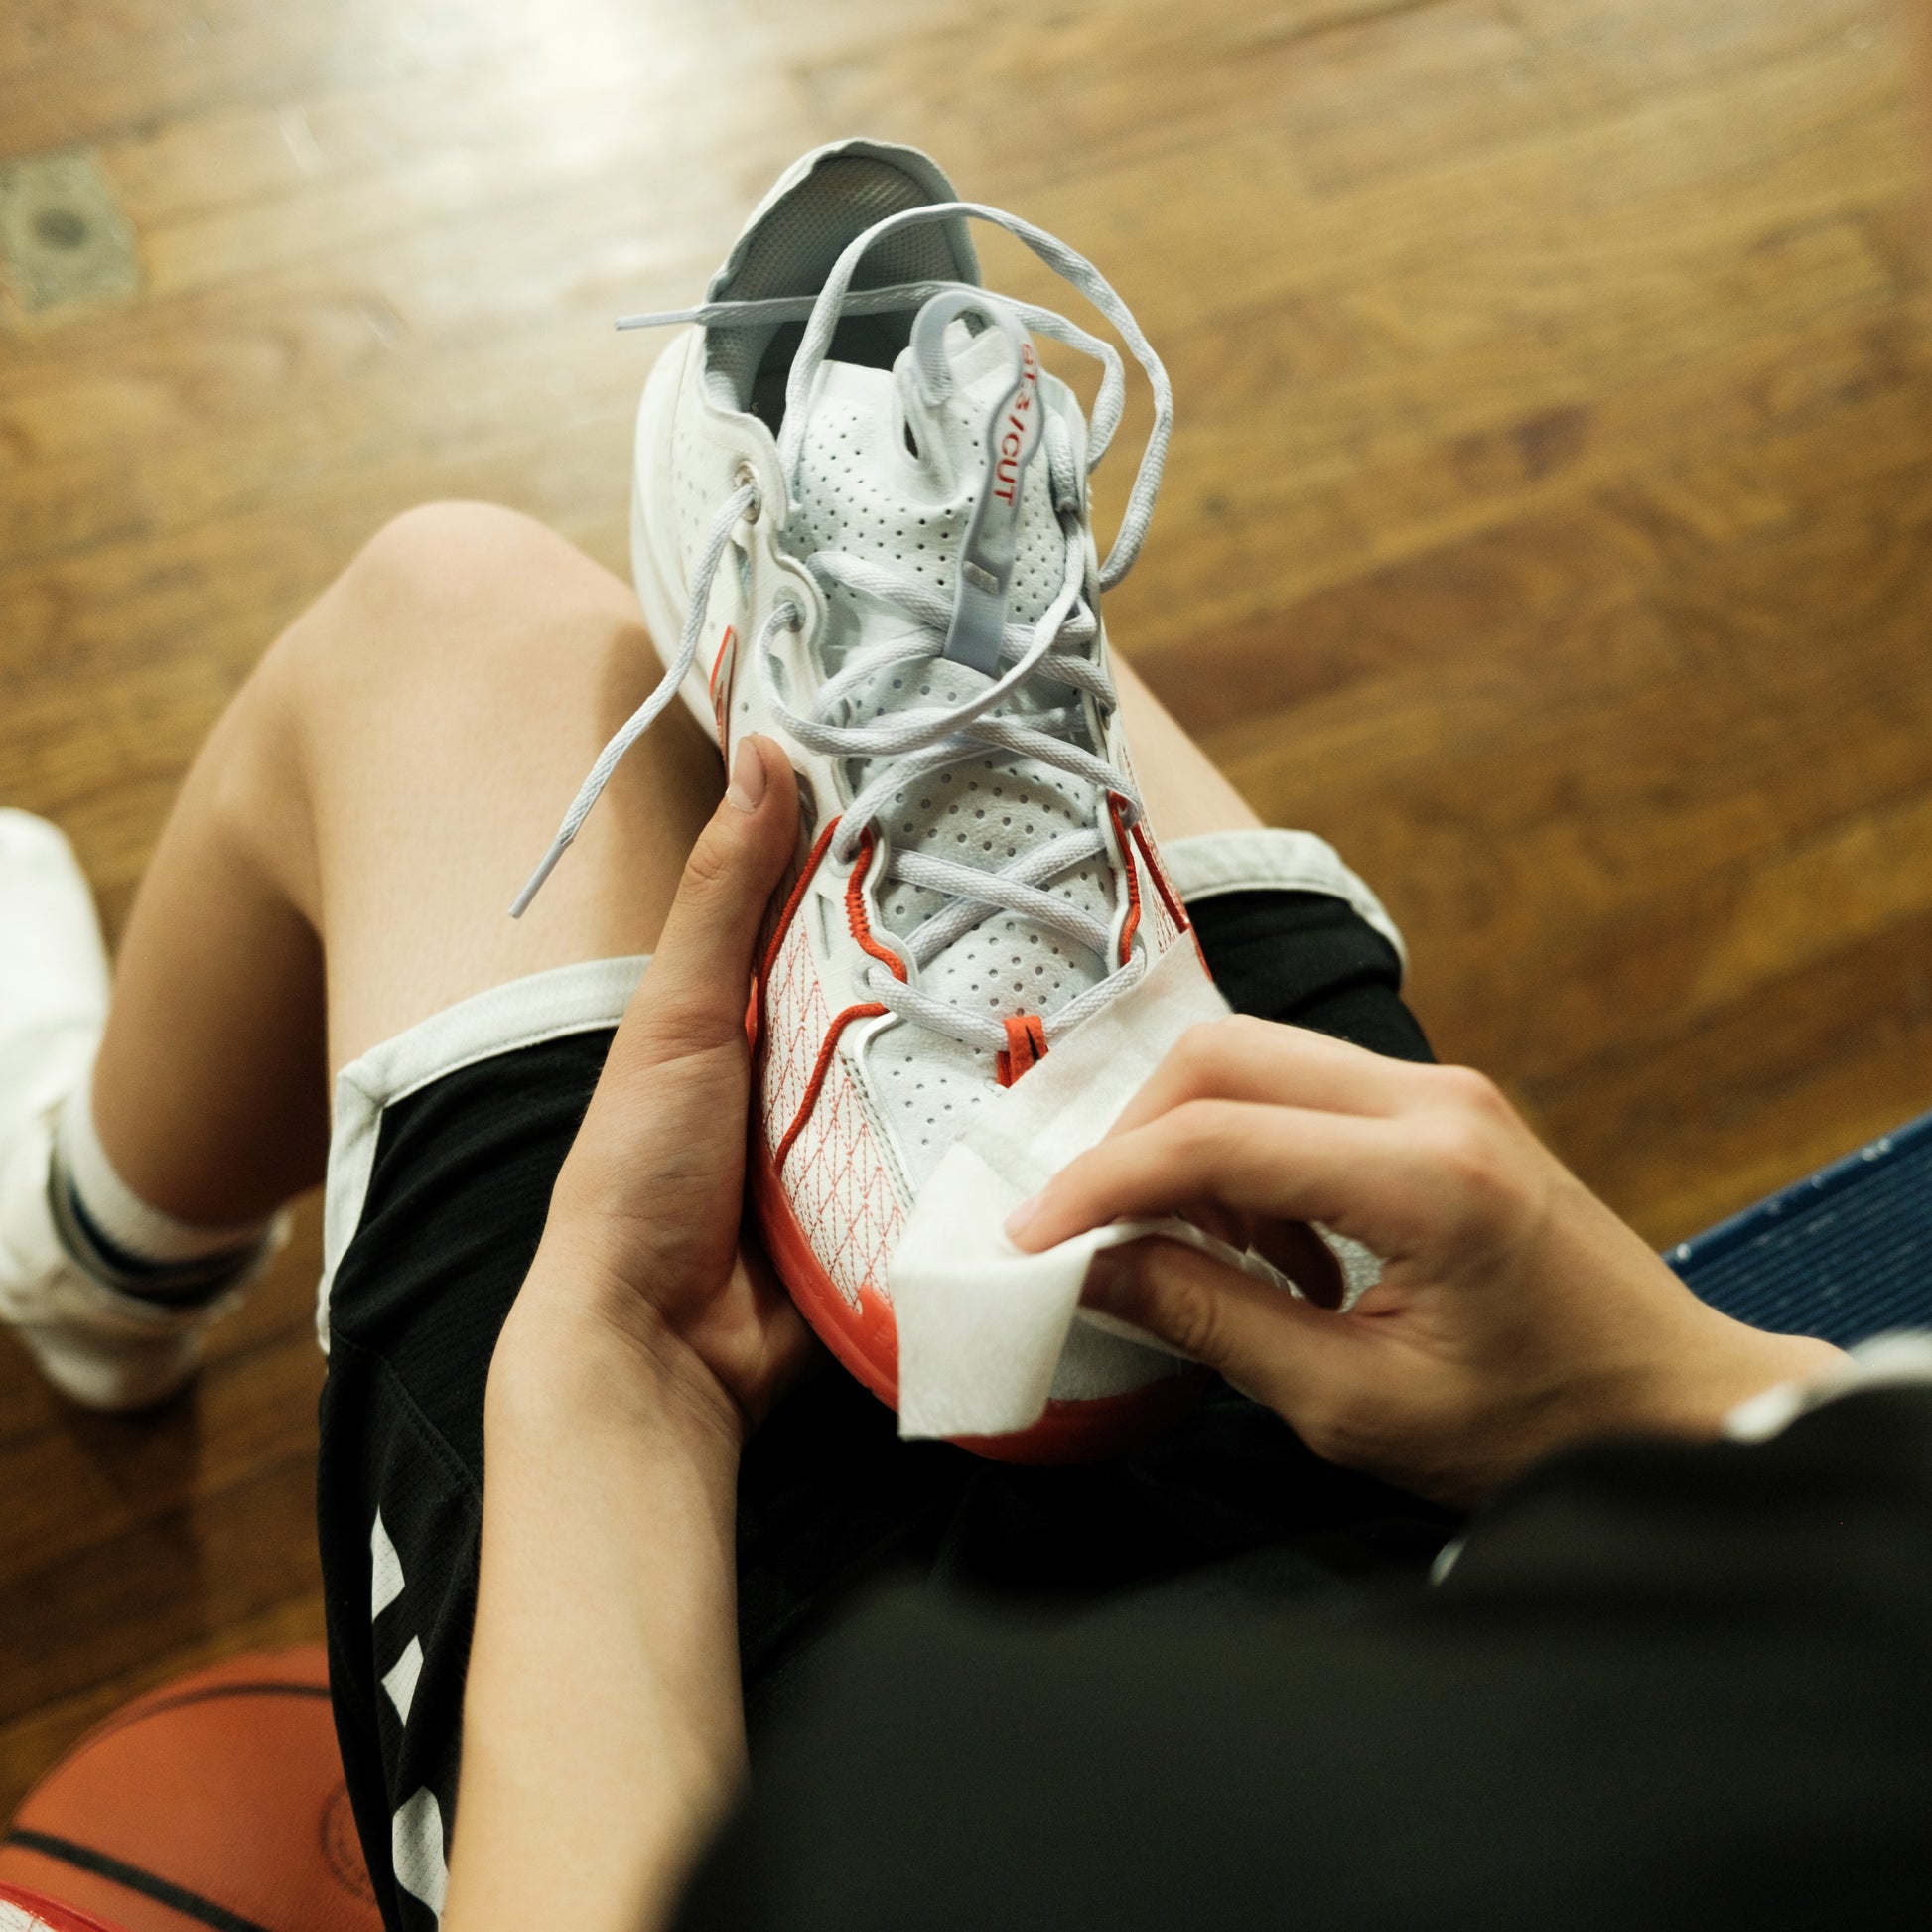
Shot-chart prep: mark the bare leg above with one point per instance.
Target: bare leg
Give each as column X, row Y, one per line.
column 1183, row 793
column 342, row 857
column 338, row 864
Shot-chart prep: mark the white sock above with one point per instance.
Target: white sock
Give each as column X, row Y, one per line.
column 115, row 1236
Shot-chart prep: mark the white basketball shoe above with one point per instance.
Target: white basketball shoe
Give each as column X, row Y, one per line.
column 99, row 1346
column 860, row 527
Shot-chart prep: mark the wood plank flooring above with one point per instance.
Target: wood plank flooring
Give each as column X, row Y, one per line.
column 1549, row 523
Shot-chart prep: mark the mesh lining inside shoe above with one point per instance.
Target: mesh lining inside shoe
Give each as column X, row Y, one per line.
column 792, row 250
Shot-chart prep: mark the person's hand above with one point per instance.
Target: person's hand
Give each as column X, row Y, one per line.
column 1515, row 1312
column 642, row 1271
column 604, row 1729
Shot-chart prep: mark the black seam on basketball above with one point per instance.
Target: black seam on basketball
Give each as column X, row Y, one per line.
column 122, row 1719
column 208, row 1692
column 84, row 1858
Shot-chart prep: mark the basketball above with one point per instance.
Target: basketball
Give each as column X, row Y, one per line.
column 216, row 1799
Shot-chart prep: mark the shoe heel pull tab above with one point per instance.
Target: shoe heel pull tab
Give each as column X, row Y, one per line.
column 1013, row 434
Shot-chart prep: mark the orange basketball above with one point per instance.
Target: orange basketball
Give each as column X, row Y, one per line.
column 215, row 1801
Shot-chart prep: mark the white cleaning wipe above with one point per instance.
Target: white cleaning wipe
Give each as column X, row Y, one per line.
column 988, row 1333
column 982, row 1326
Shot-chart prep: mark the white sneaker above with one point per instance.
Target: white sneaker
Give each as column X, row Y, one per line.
column 860, row 527
column 97, row 1346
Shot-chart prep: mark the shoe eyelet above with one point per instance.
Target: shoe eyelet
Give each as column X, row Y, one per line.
column 744, row 477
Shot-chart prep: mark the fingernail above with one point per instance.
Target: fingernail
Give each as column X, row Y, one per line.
column 747, row 789
column 1016, row 1222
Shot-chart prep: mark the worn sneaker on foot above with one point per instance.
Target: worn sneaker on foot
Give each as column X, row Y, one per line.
column 861, row 526
column 99, row 1346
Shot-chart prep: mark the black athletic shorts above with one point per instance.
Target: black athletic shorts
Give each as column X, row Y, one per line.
column 1653, row 1684
column 1663, row 1687
column 447, row 1143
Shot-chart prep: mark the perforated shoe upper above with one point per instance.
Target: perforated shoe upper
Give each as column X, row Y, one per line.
column 886, row 479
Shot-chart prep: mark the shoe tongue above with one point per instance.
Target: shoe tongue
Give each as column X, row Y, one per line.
column 889, row 477
column 951, row 433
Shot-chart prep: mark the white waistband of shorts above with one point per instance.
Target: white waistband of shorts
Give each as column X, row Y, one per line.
column 573, row 999
column 1267, row 859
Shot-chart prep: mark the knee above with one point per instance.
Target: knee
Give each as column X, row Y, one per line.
column 428, row 539
column 448, row 591
column 450, row 560
column 442, row 632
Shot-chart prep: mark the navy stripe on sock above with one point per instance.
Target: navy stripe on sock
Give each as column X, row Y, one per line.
column 174, row 1284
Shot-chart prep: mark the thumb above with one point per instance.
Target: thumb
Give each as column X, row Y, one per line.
column 1284, row 1351
column 703, row 962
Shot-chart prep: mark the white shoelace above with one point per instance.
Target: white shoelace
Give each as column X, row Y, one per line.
column 921, row 742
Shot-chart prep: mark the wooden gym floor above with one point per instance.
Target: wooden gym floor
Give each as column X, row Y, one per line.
column 1550, row 522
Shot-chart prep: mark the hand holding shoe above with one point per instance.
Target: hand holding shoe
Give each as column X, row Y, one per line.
column 641, row 1264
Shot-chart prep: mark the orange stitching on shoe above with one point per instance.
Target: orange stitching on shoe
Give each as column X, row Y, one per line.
column 826, row 1047
column 1176, row 911
column 1026, row 1046
column 798, row 895
column 720, row 700
column 855, row 910
column 1132, row 923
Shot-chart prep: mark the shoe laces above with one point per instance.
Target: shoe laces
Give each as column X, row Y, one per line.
column 1050, row 658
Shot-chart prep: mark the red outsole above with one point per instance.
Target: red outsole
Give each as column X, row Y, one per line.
column 866, row 1341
